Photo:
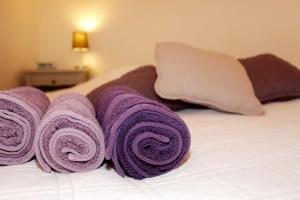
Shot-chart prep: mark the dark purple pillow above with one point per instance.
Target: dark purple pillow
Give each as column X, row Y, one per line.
column 142, row 80
column 273, row 79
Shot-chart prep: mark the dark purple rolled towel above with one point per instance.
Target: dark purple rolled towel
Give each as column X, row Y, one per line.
column 21, row 111
column 70, row 139
column 143, row 137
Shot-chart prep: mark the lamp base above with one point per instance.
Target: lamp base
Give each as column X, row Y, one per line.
column 80, row 64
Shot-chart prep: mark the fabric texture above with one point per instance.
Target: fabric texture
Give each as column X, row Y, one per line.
column 141, row 80
column 272, row 78
column 21, row 111
column 69, row 138
column 143, row 137
column 232, row 157
column 203, row 77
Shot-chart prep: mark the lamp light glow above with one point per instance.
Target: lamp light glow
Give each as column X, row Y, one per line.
column 88, row 24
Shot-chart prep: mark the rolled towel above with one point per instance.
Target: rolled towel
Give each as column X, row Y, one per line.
column 143, row 137
column 69, row 138
column 21, row 111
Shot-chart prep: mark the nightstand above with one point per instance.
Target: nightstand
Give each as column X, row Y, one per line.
column 51, row 79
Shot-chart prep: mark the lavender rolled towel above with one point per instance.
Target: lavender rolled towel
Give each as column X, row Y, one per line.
column 21, row 111
column 143, row 137
column 69, row 138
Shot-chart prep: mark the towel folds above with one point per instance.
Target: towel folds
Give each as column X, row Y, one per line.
column 69, row 138
column 143, row 137
column 21, row 111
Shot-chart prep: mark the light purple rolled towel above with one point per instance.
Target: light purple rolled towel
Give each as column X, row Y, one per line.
column 21, row 111
column 143, row 137
column 70, row 139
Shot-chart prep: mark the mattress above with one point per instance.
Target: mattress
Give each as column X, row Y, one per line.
column 232, row 157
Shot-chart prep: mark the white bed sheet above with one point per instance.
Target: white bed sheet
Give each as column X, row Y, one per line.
column 232, row 157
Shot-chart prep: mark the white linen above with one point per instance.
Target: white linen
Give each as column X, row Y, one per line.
column 232, row 157
column 93, row 83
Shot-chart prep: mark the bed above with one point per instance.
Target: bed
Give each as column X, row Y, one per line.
column 232, row 157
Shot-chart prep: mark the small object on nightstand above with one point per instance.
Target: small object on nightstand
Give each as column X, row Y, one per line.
column 53, row 79
column 46, row 65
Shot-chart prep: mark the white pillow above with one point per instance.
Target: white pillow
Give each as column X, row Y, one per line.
column 204, row 77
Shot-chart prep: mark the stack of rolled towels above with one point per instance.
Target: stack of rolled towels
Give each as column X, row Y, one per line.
column 141, row 137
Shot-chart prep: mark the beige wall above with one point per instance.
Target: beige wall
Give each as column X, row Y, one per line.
column 128, row 29
column 123, row 32
column 18, row 41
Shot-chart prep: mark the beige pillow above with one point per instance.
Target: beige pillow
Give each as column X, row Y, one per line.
column 204, row 77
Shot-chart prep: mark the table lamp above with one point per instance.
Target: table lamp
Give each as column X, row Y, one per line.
column 80, row 44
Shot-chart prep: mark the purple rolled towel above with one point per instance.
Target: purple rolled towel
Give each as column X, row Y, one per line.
column 21, row 111
column 143, row 137
column 70, row 139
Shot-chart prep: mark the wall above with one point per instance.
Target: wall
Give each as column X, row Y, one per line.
column 17, row 39
column 124, row 32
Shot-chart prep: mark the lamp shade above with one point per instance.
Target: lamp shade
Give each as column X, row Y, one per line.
column 80, row 41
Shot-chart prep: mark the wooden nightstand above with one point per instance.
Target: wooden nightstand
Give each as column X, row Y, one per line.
column 55, row 79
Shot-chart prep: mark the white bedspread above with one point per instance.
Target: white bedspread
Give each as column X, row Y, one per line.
column 232, row 157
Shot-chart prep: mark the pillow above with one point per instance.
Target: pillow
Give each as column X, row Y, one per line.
column 142, row 80
column 206, row 78
column 272, row 78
